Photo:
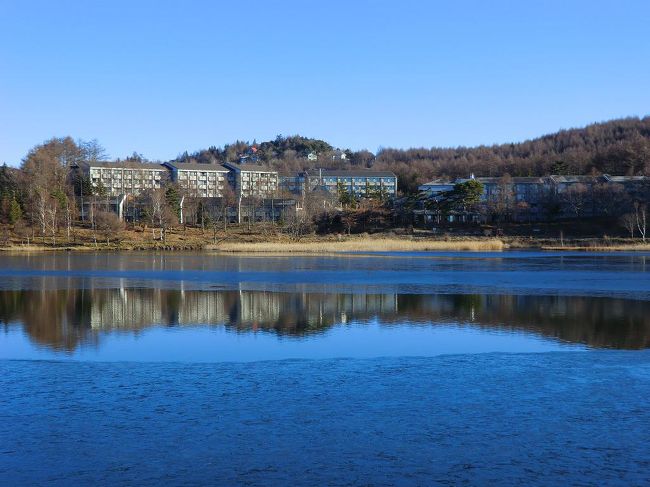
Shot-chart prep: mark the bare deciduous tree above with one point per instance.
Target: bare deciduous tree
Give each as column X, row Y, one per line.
column 109, row 225
column 228, row 200
column 299, row 225
column 157, row 205
column 575, row 198
column 628, row 221
column 22, row 230
column 640, row 213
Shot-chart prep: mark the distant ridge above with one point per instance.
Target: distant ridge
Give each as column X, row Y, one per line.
column 617, row 147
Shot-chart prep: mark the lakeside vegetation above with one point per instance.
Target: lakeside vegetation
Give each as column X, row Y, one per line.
column 596, row 246
column 361, row 244
column 238, row 238
column 273, row 240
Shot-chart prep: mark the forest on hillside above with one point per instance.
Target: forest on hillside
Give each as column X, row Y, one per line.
column 616, row 147
column 46, row 194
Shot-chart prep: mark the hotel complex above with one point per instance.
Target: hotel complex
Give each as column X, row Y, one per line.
column 121, row 181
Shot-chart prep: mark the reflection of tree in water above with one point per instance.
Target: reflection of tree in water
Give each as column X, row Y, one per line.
column 596, row 322
column 62, row 319
column 59, row 319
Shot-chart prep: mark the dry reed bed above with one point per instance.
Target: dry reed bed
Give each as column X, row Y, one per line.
column 361, row 245
column 600, row 248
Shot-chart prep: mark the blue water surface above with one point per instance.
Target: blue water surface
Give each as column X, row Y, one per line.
column 446, row 368
column 559, row 418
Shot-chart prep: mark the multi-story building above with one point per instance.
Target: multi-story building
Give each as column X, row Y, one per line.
column 293, row 183
column 199, row 180
column 360, row 183
column 534, row 198
column 124, row 178
column 517, row 194
column 120, row 181
column 252, row 180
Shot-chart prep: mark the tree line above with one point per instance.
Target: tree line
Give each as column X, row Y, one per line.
column 616, row 147
column 44, row 195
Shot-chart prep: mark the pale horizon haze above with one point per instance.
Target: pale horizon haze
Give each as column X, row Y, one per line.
column 162, row 77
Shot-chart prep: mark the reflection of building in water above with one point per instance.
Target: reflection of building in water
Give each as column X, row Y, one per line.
column 137, row 308
column 306, row 311
column 312, row 310
column 63, row 319
column 202, row 308
column 125, row 308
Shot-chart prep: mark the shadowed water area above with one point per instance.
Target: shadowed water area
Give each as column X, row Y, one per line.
column 384, row 369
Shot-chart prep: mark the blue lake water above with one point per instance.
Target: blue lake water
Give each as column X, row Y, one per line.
column 385, row 369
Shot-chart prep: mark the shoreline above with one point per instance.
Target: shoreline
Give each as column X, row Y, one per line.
column 346, row 245
column 286, row 247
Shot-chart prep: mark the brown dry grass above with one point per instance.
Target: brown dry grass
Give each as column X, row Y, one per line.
column 361, row 245
column 262, row 239
column 640, row 247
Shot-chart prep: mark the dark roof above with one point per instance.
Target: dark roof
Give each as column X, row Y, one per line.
column 196, row 166
column 351, row 173
column 527, row 179
column 575, row 178
column 624, row 179
column 439, row 182
column 124, row 165
column 248, row 167
column 279, row 202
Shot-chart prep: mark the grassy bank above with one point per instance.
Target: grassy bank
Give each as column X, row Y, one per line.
column 271, row 239
column 262, row 238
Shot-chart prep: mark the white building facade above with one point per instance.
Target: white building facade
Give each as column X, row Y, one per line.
column 125, row 178
column 199, row 180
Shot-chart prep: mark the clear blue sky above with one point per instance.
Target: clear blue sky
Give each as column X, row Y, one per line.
column 160, row 77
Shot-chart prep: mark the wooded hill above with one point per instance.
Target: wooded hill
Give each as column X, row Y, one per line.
column 616, row 147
